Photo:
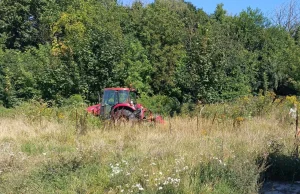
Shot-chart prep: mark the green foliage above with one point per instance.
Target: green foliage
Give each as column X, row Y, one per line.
column 74, row 100
column 66, row 171
column 244, row 108
column 160, row 104
column 232, row 176
column 161, row 35
column 135, row 68
column 20, row 22
column 52, row 50
column 31, row 148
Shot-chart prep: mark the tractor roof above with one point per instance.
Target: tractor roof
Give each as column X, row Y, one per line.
column 122, row 89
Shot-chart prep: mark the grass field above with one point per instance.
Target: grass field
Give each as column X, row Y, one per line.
column 72, row 153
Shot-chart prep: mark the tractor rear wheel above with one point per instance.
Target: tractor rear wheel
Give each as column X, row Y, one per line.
column 124, row 115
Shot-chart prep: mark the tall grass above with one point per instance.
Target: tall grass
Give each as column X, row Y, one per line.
column 226, row 149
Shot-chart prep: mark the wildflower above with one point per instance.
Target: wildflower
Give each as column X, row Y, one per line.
column 139, row 186
column 61, row 116
column 177, row 170
column 160, row 188
column 185, row 168
column 115, row 169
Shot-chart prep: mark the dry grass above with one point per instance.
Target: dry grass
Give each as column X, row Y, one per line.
column 26, row 147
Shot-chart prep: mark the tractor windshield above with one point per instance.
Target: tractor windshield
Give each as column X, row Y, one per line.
column 113, row 97
column 110, row 97
column 123, row 96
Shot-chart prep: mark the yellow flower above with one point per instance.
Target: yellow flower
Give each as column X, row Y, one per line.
column 292, row 99
column 239, row 119
column 60, row 115
column 203, row 132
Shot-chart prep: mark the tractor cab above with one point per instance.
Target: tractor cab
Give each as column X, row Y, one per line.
column 114, row 98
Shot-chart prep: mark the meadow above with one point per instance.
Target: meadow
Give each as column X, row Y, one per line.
column 220, row 148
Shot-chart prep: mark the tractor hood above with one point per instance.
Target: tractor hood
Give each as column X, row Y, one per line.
column 95, row 109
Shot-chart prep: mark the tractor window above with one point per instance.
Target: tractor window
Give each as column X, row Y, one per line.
column 133, row 97
column 123, row 96
column 110, row 97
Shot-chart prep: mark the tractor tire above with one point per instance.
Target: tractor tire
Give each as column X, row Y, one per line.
column 124, row 115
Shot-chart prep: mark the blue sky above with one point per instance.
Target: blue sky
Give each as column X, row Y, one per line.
column 232, row 6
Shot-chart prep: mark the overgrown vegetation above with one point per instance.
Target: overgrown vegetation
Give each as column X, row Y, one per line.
column 55, row 56
column 168, row 49
column 227, row 148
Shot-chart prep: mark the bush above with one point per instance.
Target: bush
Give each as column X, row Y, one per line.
column 160, row 104
column 74, row 100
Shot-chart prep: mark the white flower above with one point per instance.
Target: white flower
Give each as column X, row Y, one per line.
column 185, row 168
column 139, row 186
column 160, row 188
column 115, row 169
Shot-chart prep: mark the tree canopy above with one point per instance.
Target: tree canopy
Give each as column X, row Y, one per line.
column 53, row 49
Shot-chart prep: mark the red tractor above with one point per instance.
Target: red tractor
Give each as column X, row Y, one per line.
column 120, row 103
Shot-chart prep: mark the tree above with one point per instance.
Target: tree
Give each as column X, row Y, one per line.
column 20, row 22
column 288, row 16
column 161, row 35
